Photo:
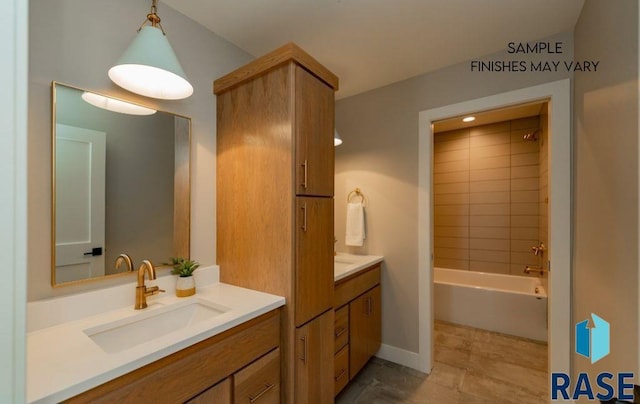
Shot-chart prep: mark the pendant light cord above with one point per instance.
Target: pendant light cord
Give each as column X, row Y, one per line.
column 153, row 17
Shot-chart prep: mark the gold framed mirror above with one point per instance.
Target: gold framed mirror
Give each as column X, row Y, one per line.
column 120, row 185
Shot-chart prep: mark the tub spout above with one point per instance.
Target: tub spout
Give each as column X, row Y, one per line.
column 541, row 271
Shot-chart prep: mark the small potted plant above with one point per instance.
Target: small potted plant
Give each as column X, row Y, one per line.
column 184, row 268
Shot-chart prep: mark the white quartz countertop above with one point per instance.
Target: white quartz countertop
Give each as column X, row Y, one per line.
column 63, row 361
column 345, row 265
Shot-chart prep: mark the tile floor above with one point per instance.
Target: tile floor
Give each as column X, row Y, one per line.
column 471, row 367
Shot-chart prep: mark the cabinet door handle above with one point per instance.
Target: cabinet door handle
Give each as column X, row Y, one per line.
column 369, row 306
column 342, row 372
column 340, row 331
column 267, row 387
column 304, row 218
column 304, row 349
column 305, row 173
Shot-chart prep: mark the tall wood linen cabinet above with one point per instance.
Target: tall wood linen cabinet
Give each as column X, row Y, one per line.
column 275, row 173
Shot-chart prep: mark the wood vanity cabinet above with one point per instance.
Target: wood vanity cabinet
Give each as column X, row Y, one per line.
column 314, row 254
column 358, row 323
column 365, row 326
column 314, row 156
column 275, row 174
column 221, row 393
column 240, row 364
column 257, row 383
column 314, row 365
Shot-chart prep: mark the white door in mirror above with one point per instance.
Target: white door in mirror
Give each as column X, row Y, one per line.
column 80, row 203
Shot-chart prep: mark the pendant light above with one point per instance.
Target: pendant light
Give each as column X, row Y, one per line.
column 337, row 140
column 149, row 66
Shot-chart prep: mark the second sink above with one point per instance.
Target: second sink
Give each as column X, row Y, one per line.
column 345, row 265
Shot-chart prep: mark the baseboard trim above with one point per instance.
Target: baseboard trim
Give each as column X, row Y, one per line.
column 399, row 356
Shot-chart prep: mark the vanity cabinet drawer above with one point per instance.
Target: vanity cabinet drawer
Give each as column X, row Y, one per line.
column 341, row 369
column 259, row 382
column 353, row 286
column 341, row 329
column 218, row 394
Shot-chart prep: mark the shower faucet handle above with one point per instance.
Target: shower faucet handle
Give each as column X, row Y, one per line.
column 538, row 249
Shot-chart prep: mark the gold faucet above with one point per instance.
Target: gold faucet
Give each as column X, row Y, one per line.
column 126, row 259
column 141, row 290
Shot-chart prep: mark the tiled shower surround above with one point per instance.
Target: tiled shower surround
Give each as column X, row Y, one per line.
column 487, row 200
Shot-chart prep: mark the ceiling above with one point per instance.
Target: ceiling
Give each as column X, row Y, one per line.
column 492, row 116
column 372, row 43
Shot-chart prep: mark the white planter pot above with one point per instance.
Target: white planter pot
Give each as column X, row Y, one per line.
column 186, row 286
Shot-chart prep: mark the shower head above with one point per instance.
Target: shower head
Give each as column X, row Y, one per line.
column 531, row 136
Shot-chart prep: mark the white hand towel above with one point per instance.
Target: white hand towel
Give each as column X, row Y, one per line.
column 355, row 225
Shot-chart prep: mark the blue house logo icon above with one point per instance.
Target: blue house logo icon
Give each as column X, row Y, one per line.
column 593, row 342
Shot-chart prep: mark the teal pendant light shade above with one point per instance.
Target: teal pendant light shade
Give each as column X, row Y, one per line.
column 149, row 66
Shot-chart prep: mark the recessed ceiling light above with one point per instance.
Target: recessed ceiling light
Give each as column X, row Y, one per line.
column 469, row 119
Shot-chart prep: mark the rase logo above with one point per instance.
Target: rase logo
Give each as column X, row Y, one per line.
column 593, row 343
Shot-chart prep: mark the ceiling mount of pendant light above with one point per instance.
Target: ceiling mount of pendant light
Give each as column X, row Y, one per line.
column 149, row 66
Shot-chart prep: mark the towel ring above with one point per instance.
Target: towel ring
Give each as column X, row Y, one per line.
column 356, row 193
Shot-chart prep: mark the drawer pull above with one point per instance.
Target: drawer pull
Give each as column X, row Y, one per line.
column 304, row 349
column 304, row 218
column 342, row 373
column 267, row 387
column 340, row 331
column 305, row 174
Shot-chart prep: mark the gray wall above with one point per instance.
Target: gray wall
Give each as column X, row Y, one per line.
column 380, row 156
column 605, row 206
column 76, row 42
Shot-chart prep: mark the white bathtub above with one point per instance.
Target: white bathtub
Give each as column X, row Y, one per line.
column 514, row 305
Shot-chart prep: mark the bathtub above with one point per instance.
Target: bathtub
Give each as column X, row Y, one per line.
column 514, row 305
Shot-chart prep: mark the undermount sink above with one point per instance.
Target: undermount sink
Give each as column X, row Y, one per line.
column 343, row 260
column 341, row 265
column 345, row 265
column 126, row 333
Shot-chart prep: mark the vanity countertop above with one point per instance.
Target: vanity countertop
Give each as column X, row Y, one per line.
column 345, row 265
column 63, row 361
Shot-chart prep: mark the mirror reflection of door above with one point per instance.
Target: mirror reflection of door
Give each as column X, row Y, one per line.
column 80, row 203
